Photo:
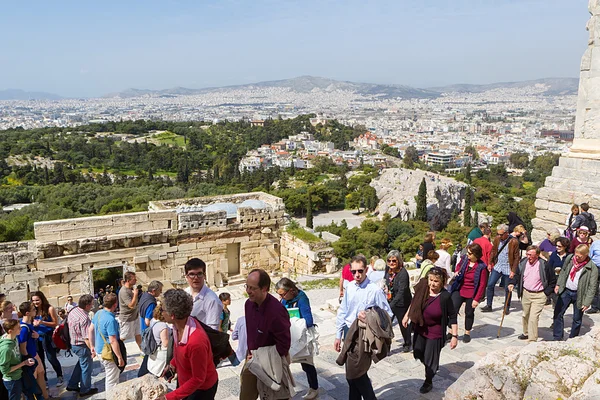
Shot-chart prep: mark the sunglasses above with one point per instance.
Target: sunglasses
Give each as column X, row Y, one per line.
column 393, row 261
column 357, row 271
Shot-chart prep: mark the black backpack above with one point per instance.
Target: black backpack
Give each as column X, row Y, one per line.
column 591, row 223
column 219, row 342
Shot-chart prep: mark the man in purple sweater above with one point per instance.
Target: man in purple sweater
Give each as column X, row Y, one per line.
column 267, row 324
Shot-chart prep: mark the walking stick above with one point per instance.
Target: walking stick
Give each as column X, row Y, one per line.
column 503, row 314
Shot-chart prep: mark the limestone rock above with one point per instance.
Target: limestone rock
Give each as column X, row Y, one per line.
column 397, row 188
column 148, row 387
column 542, row 370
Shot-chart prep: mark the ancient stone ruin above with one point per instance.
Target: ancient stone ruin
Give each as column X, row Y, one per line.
column 575, row 179
column 232, row 234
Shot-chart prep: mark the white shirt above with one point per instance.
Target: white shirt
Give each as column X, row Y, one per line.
column 207, row 307
column 444, row 261
column 572, row 284
column 359, row 298
column 239, row 334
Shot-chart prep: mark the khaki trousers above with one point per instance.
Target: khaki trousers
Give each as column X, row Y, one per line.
column 249, row 388
column 533, row 304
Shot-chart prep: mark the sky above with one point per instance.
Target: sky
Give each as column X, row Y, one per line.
column 86, row 49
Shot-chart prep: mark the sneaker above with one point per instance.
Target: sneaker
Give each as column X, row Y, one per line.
column 466, row 338
column 523, row 337
column 89, row 392
column 311, row 394
column 592, row 311
column 486, row 308
column 426, row 388
column 72, row 389
column 406, row 348
column 60, row 381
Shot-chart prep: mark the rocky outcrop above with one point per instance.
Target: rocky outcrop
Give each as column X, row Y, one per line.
column 397, row 188
column 148, row 387
column 542, row 370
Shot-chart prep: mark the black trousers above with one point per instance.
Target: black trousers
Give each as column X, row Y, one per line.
column 208, row 394
column 311, row 375
column 361, row 388
column 399, row 313
column 144, row 367
column 457, row 301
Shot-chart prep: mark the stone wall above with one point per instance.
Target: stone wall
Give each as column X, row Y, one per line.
column 155, row 244
column 300, row 257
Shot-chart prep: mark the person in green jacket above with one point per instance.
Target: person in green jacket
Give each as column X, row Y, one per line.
column 10, row 360
column 576, row 284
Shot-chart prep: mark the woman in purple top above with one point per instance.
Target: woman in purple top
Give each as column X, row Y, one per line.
column 431, row 310
column 549, row 244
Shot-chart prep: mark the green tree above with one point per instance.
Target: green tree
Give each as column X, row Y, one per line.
column 411, row 157
column 309, row 211
column 519, row 160
column 470, row 149
column 421, row 199
column 467, row 209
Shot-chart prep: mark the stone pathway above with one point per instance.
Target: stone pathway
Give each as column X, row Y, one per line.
column 397, row 376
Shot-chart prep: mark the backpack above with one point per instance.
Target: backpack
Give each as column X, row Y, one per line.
column 61, row 336
column 149, row 345
column 591, row 223
column 219, row 342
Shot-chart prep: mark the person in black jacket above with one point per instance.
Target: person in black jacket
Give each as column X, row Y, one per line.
column 399, row 297
column 537, row 280
column 430, row 311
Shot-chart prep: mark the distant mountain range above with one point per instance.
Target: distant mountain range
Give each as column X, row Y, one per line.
column 18, row 94
column 305, row 84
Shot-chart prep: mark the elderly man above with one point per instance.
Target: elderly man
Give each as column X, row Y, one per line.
column 360, row 295
column 192, row 355
column 576, row 285
column 504, row 260
column 79, row 324
column 146, row 306
column 267, row 324
column 537, row 280
column 207, row 306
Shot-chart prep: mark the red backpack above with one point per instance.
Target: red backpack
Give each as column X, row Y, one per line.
column 61, row 336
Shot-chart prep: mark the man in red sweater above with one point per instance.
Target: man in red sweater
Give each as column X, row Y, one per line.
column 192, row 355
column 486, row 245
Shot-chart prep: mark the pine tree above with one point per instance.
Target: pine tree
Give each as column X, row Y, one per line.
column 467, row 210
column 309, row 214
column 421, row 199
column 476, row 219
column 468, row 174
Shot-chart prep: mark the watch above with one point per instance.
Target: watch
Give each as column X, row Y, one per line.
column 455, row 336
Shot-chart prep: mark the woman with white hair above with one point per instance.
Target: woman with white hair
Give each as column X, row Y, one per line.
column 549, row 244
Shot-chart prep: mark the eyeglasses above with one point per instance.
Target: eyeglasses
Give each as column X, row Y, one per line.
column 196, row 275
column 357, row 271
column 282, row 295
column 251, row 288
column 393, row 261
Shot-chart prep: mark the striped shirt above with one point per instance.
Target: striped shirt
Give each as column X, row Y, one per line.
column 79, row 322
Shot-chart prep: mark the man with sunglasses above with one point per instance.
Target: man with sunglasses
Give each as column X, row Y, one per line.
column 207, row 306
column 359, row 295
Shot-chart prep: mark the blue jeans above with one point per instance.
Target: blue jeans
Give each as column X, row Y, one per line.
column 495, row 276
column 15, row 390
column 563, row 302
column 82, row 373
column 47, row 350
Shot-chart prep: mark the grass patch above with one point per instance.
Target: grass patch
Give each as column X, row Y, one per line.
column 170, row 138
column 325, row 283
column 296, row 230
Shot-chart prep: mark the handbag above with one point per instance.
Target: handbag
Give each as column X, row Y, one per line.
column 107, row 353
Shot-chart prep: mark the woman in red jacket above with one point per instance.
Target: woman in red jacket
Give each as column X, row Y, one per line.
column 469, row 285
column 192, row 355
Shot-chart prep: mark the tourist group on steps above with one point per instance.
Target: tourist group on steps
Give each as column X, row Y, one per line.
column 183, row 334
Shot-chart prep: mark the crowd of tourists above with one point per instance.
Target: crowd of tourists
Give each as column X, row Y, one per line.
column 184, row 332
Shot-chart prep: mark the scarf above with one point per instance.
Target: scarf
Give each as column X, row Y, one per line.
column 577, row 266
column 190, row 327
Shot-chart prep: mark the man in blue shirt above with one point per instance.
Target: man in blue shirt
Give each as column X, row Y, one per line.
column 595, row 256
column 104, row 331
column 359, row 295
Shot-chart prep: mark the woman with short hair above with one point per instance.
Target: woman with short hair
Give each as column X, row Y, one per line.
column 469, row 285
column 582, row 238
column 570, row 231
column 292, row 297
column 549, row 244
column 576, row 284
column 192, row 354
column 428, row 263
column 444, row 260
column 399, row 293
column 162, row 333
